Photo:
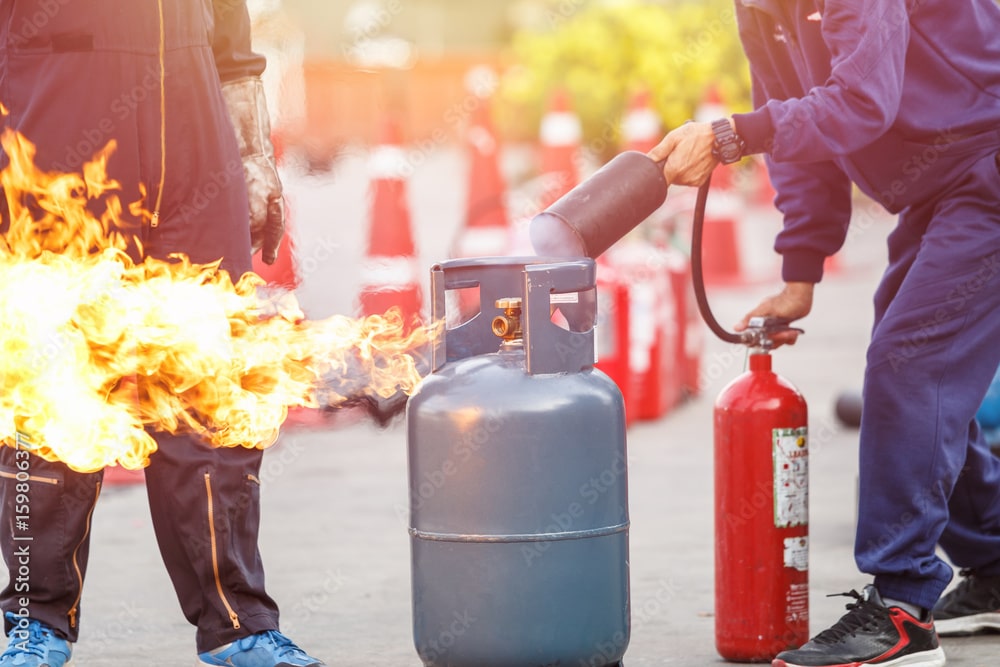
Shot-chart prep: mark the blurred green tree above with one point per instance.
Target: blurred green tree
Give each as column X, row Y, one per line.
column 602, row 53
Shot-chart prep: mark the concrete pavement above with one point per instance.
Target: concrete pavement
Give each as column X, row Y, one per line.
column 335, row 543
column 334, row 536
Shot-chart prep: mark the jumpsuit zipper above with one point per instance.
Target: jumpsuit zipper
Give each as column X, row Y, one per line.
column 154, row 220
column 76, row 564
column 233, row 616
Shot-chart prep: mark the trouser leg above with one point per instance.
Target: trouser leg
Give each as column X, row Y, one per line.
column 932, row 356
column 205, row 506
column 972, row 537
column 45, row 516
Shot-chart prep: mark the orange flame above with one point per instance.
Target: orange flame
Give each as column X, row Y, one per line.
column 96, row 349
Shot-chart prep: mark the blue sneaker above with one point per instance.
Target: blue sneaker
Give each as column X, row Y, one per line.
column 33, row 644
column 264, row 649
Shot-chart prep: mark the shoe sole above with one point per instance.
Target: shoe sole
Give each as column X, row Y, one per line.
column 963, row 626
column 199, row 663
column 933, row 658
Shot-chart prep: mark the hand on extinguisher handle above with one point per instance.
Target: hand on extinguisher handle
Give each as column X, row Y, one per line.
column 779, row 310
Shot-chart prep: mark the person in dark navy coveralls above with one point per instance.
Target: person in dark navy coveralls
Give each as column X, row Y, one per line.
column 902, row 99
column 176, row 85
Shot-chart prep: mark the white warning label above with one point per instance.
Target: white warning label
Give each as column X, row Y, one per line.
column 797, row 604
column 797, row 553
column 791, row 477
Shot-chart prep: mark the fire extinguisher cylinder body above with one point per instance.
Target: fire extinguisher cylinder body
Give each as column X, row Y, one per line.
column 761, row 516
column 518, row 495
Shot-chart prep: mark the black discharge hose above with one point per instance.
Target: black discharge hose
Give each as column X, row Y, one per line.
column 758, row 334
column 697, row 272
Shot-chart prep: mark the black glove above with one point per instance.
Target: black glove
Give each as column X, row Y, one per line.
column 248, row 111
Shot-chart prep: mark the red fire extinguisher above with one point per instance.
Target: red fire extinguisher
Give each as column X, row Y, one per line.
column 761, row 515
column 761, row 495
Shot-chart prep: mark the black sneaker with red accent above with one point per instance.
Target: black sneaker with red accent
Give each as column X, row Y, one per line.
column 869, row 634
column 970, row 608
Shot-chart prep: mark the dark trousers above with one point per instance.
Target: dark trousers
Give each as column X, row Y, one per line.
column 205, row 507
column 927, row 477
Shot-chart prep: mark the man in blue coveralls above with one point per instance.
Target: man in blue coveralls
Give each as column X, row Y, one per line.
column 901, row 98
column 169, row 82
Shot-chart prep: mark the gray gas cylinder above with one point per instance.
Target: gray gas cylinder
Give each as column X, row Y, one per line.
column 518, row 477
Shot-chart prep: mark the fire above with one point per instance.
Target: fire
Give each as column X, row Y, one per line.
column 96, row 349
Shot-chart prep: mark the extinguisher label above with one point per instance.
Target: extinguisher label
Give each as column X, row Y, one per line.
column 797, row 553
column 797, row 604
column 791, row 477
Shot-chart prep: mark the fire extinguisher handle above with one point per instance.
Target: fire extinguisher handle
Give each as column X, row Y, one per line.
column 774, row 324
column 762, row 329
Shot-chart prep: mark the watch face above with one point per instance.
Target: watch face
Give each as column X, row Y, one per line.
column 729, row 152
column 727, row 148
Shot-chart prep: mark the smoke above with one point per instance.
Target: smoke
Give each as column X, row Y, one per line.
column 349, row 389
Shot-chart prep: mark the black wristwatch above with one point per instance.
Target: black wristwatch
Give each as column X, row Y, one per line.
column 728, row 147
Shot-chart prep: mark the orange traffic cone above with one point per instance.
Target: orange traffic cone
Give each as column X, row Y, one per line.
column 712, row 106
column 389, row 274
column 722, row 260
column 118, row 476
column 486, row 230
column 560, row 136
column 763, row 191
column 641, row 127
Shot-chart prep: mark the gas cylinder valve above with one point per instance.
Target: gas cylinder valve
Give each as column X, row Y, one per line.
column 508, row 325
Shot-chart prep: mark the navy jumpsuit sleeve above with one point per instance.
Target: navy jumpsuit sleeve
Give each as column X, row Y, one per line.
column 867, row 42
column 231, row 42
column 814, row 198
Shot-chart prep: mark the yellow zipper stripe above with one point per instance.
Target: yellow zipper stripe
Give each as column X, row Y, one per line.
column 155, row 220
column 76, row 564
column 32, row 478
column 215, row 556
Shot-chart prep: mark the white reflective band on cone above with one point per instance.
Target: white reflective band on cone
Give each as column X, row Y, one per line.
column 482, row 139
column 483, row 241
column 387, row 161
column 398, row 272
column 561, row 128
column 641, row 124
column 708, row 112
